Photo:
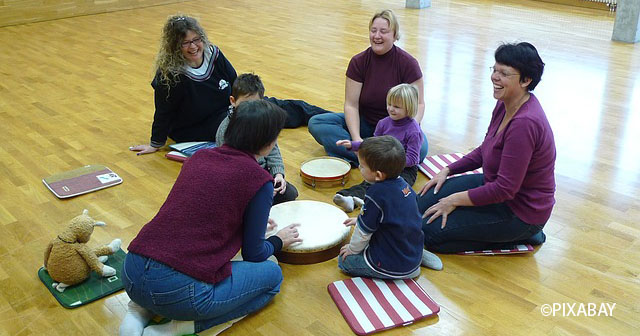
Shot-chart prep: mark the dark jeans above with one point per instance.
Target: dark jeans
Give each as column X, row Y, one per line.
column 298, row 111
column 409, row 174
column 290, row 194
column 487, row 227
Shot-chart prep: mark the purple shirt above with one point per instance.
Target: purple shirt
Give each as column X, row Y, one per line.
column 406, row 130
column 518, row 163
column 378, row 74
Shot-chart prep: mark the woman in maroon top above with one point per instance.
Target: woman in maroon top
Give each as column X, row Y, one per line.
column 370, row 75
column 181, row 264
column 512, row 200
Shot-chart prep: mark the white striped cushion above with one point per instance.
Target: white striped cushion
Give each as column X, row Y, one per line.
column 372, row 305
column 432, row 165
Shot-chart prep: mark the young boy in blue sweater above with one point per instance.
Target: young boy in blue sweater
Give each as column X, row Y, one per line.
column 387, row 242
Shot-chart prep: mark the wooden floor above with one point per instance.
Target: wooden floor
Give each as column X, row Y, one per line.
column 76, row 91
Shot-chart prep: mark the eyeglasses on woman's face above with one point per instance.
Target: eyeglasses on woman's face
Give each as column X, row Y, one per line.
column 196, row 41
column 501, row 73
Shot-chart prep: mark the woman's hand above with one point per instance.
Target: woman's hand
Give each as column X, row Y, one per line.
column 350, row 221
column 344, row 252
column 443, row 208
column 279, row 184
column 344, row 143
column 436, row 181
column 143, row 149
column 446, row 205
column 289, row 235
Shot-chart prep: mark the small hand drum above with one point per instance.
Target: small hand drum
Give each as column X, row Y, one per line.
column 325, row 171
column 321, row 229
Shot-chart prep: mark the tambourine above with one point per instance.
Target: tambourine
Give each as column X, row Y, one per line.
column 325, row 171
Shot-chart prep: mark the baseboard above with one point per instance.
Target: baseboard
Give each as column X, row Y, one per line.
column 581, row 3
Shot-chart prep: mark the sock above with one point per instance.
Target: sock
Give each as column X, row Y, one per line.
column 217, row 329
column 135, row 320
column 432, row 261
column 358, row 201
column 345, row 202
column 173, row 328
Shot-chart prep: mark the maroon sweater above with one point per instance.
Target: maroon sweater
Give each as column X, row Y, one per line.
column 378, row 74
column 518, row 163
column 198, row 229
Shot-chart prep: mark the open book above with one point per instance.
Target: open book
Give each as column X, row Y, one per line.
column 188, row 148
column 183, row 150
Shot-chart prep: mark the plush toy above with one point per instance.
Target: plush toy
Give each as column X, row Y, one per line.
column 69, row 260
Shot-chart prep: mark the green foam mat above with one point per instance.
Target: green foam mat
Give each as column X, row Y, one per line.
column 90, row 290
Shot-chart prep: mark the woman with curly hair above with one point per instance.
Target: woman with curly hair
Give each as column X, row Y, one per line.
column 192, row 85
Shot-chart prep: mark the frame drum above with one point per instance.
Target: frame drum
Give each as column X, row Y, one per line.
column 325, row 171
column 321, row 229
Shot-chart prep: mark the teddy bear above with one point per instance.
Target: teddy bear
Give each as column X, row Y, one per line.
column 70, row 261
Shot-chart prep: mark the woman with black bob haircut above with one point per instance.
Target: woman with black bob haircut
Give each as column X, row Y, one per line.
column 180, row 264
column 511, row 201
column 524, row 58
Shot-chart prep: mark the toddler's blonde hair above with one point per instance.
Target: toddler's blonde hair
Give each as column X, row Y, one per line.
column 405, row 96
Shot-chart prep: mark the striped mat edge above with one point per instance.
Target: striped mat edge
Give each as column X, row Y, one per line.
column 432, row 165
column 522, row 248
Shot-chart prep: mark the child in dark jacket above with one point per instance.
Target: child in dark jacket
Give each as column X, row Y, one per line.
column 387, row 242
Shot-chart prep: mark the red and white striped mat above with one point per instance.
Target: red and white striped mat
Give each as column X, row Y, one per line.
column 432, row 165
column 524, row 248
column 372, row 305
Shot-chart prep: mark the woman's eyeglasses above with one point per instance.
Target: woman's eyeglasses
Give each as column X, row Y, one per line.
column 493, row 71
column 195, row 42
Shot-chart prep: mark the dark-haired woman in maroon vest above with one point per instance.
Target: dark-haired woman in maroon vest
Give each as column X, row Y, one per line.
column 179, row 265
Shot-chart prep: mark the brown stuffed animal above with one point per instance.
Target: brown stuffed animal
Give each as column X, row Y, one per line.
column 69, row 261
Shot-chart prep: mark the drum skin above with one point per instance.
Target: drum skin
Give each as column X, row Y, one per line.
column 321, row 228
column 325, row 172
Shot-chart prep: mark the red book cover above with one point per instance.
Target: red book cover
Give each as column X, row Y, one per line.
column 81, row 181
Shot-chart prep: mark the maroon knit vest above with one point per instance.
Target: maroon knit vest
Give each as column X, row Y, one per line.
column 199, row 227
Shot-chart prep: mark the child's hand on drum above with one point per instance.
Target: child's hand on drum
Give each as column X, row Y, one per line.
column 344, row 143
column 350, row 221
column 345, row 251
column 289, row 235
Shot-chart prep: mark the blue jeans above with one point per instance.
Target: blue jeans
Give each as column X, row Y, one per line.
column 174, row 295
column 355, row 265
column 330, row 127
column 487, row 227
